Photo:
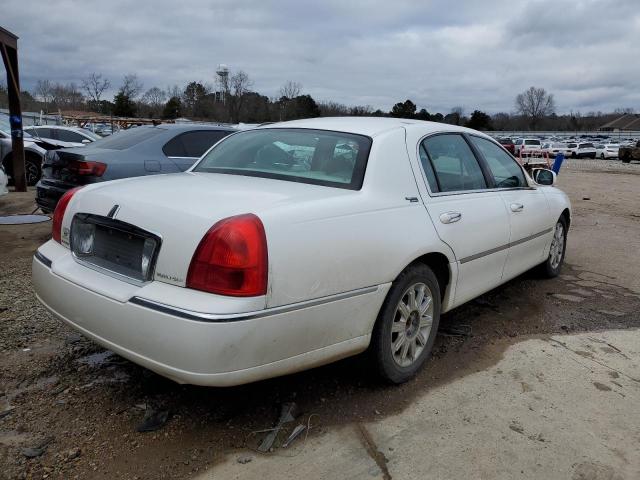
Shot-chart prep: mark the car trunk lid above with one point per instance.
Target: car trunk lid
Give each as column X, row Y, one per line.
column 180, row 220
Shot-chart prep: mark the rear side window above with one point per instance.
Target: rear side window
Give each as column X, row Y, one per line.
column 454, row 165
column 193, row 144
column 128, row 138
column 69, row 136
column 506, row 172
column 42, row 132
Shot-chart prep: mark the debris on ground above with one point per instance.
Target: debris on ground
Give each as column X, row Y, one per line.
column 73, row 453
column 288, row 414
column 154, row 419
column 295, row 434
column 244, row 459
column 5, row 408
column 455, row 330
column 36, row 450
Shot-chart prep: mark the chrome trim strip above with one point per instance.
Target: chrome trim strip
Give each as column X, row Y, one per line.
column 236, row 317
column 42, row 259
column 476, row 256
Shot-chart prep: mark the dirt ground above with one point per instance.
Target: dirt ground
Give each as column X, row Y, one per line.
column 69, row 409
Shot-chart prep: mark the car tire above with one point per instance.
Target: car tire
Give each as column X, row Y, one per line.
column 602, row 156
column 553, row 264
column 32, row 168
column 406, row 327
column 626, row 158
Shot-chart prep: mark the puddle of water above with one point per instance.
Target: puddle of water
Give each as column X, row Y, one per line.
column 96, row 359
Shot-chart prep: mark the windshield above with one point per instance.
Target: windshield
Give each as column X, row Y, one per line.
column 318, row 157
column 532, row 142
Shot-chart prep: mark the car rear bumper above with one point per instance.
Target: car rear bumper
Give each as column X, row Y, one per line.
column 204, row 349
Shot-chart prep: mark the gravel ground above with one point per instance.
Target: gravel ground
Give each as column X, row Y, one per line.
column 69, row 409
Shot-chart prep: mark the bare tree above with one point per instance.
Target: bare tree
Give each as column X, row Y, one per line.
column 458, row 111
column 173, row 91
column 95, row 85
column 501, row 120
column 154, row 97
column 131, row 86
column 290, row 89
column 239, row 85
column 534, row 104
column 44, row 92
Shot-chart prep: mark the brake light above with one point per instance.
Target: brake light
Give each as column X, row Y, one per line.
column 78, row 167
column 58, row 213
column 231, row 258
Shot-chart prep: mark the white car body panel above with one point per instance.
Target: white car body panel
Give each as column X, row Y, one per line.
column 333, row 254
column 607, row 151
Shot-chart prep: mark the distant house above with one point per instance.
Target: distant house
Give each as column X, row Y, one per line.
column 624, row 123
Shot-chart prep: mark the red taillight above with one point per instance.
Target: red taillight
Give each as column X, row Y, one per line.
column 58, row 214
column 231, row 258
column 96, row 169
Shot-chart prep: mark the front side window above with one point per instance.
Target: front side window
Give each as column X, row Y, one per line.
column 454, row 165
column 505, row 170
column 318, row 157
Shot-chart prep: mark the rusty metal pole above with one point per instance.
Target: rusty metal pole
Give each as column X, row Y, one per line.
column 9, row 51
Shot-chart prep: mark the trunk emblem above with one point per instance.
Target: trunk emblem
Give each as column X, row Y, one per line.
column 113, row 211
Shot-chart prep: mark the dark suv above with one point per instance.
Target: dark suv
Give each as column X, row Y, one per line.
column 146, row 150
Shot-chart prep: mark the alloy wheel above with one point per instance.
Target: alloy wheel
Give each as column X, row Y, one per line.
column 557, row 246
column 412, row 323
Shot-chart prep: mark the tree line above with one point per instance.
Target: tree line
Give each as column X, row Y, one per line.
column 233, row 100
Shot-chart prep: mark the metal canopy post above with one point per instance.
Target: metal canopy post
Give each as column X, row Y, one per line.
column 9, row 51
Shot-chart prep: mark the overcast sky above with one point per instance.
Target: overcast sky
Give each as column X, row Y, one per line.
column 440, row 54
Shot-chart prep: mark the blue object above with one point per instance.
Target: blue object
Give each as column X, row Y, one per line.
column 558, row 163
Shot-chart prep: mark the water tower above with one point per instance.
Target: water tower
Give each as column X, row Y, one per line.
column 223, row 80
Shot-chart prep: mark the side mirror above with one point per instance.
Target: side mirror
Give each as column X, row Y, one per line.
column 543, row 176
column 86, row 140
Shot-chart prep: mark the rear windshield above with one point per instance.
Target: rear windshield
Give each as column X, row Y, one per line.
column 586, row 145
column 505, row 141
column 318, row 157
column 532, row 142
column 128, row 138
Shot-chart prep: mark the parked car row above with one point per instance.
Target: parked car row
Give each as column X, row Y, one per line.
column 584, row 146
column 145, row 150
column 63, row 157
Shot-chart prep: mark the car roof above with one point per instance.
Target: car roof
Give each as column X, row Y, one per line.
column 369, row 126
column 186, row 127
column 57, row 127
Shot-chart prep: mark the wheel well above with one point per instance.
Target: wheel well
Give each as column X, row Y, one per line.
column 567, row 216
column 439, row 263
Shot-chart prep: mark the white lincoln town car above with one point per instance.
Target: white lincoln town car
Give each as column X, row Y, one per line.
column 297, row 244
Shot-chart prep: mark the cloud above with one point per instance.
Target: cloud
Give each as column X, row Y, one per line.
column 439, row 53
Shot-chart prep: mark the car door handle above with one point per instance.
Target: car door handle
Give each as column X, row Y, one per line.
column 517, row 207
column 450, row 217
